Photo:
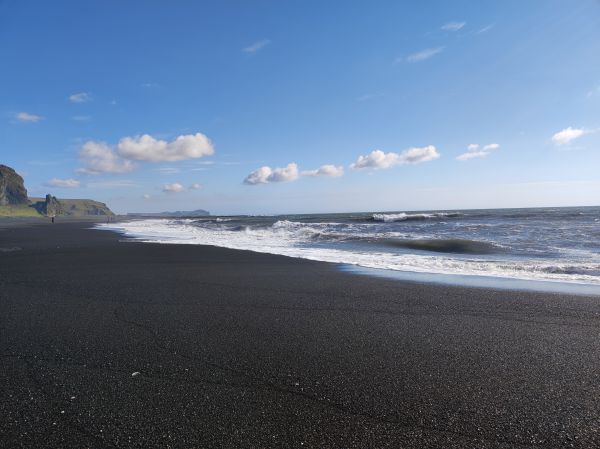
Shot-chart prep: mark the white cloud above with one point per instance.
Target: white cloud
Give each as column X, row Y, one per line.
column 485, row 29
column 168, row 170
column 565, row 136
column 256, row 46
column 377, row 159
column 26, row 117
column 474, row 151
column 325, row 170
column 146, row 196
column 63, row 183
column 80, row 97
column 121, row 183
column 147, row 148
column 453, row 26
column 195, row 186
column 173, row 188
column 266, row 175
column 424, row 54
column 99, row 157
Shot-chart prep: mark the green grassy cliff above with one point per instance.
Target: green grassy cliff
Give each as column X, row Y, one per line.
column 15, row 203
column 70, row 207
column 19, row 210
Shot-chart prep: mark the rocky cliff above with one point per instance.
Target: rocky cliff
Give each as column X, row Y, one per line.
column 12, row 187
column 15, row 203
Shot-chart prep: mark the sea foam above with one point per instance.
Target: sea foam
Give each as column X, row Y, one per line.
column 363, row 244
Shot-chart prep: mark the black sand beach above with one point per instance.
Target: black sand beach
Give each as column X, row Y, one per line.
column 238, row 349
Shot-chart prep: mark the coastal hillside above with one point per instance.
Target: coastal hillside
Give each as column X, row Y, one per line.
column 14, row 201
column 70, row 207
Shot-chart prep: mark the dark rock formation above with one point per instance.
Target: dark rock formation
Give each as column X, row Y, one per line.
column 12, row 187
column 53, row 206
column 50, row 206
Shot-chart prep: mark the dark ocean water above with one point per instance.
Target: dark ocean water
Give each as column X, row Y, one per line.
column 553, row 244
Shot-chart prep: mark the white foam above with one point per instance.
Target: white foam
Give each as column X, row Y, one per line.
column 388, row 218
column 289, row 239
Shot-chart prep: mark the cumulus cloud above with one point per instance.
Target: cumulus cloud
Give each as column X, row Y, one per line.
column 266, row 175
column 80, row 97
column 474, row 151
column 173, row 188
column 377, row 159
column 325, row 170
column 99, row 157
column 453, row 26
column 256, row 46
column 63, row 183
column 147, row 148
column 195, row 186
column 26, row 117
column 424, row 54
column 567, row 135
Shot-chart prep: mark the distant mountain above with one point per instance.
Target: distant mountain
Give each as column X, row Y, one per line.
column 179, row 213
column 14, row 201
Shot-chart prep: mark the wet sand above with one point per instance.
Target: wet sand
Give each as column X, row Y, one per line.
column 239, row 349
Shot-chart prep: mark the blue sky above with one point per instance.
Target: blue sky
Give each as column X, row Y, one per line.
column 289, row 106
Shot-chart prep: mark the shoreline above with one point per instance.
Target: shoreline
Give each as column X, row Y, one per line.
column 471, row 280
column 243, row 349
column 477, row 281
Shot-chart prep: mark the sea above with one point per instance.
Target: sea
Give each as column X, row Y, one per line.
column 538, row 244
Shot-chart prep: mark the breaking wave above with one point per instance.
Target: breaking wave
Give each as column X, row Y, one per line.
column 551, row 249
column 458, row 246
column 388, row 218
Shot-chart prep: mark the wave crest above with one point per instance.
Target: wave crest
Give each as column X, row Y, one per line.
column 457, row 246
column 388, row 218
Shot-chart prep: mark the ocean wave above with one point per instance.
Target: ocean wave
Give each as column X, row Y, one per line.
column 305, row 232
column 388, row 218
column 457, row 246
column 291, row 239
column 569, row 269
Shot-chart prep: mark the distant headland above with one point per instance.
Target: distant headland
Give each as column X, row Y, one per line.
column 179, row 213
column 14, row 201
